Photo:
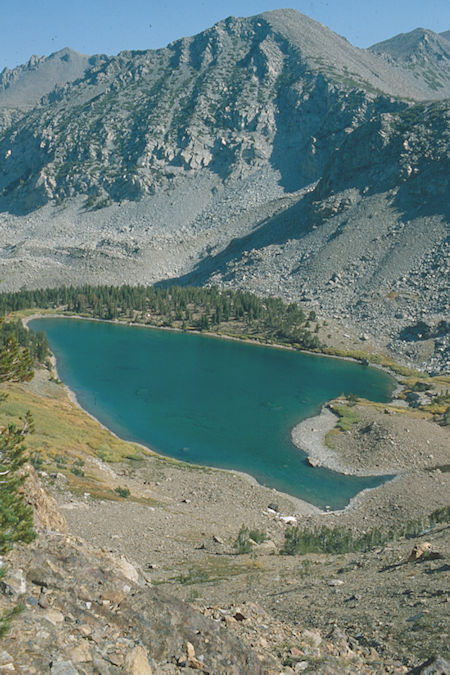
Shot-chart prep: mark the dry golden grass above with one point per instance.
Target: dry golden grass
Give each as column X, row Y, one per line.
column 62, row 427
column 65, row 437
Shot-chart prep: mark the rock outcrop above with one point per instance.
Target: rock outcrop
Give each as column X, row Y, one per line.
column 82, row 615
column 23, row 87
column 46, row 514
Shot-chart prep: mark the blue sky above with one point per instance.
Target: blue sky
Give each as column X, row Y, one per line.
column 109, row 26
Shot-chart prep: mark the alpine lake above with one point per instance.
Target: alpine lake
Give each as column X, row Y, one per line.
column 210, row 401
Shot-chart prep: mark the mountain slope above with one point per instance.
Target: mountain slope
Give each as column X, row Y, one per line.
column 278, row 87
column 370, row 243
column 238, row 156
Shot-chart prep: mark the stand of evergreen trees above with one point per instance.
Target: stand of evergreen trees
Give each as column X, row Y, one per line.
column 182, row 307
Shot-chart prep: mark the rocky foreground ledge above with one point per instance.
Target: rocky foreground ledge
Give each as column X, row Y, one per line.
column 87, row 610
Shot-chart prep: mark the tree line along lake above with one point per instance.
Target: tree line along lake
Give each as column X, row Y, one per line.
column 211, row 401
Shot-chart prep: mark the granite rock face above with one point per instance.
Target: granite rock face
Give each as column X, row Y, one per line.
column 278, row 88
column 46, row 514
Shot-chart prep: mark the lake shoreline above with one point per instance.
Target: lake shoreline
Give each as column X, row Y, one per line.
column 301, row 506
column 225, row 336
column 179, row 527
column 308, row 435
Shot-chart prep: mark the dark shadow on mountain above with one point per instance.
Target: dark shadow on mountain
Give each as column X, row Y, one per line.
column 338, row 231
column 423, row 331
column 438, row 570
column 292, row 223
column 418, row 198
column 309, row 129
column 376, row 158
column 423, row 195
column 292, row 154
column 23, row 202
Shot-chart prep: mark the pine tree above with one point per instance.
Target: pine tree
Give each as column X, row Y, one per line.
column 15, row 363
column 16, row 517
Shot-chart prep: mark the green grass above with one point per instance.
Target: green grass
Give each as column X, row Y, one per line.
column 378, row 359
column 347, row 416
column 65, row 436
column 62, row 429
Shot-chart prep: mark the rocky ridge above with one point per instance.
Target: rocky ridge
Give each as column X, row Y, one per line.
column 23, row 87
column 227, row 100
column 86, row 612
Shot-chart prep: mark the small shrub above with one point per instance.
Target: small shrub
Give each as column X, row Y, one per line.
column 258, row 536
column 440, row 515
column 6, row 618
column 194, row 576
column 305, row 568
column 246, row 538
column 122, row 492
column 36, row 461
column 445, row 420
column 77, row 471
column 420, row 386
column 242, row 543
column 352, row 399
column 59, row 460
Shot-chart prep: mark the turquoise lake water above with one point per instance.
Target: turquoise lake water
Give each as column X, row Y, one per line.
column 209, row 401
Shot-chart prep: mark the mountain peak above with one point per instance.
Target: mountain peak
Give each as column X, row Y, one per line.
column 405, row 46
column 425, row 53
column 24, row 86
column 67, row 52
column 265, row 152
